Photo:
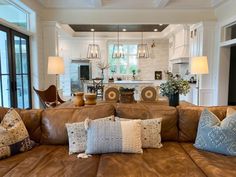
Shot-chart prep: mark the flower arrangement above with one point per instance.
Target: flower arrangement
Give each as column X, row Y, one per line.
column 174, row 85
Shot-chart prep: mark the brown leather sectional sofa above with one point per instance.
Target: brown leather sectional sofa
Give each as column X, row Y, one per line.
column 177, row 157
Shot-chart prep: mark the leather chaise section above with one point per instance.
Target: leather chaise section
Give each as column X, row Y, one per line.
column 212, row 164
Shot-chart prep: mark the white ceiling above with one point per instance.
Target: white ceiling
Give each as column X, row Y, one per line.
column 132, row 4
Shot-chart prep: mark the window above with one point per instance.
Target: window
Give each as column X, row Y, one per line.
column 14, row 69
column 123, row 66
column 14, row 14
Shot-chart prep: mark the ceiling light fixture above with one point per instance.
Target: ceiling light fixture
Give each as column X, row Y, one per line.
column 161, row 24
column 124, row 29
column 118, row 51
column 93, row 49
column 92, row 29
column 142, row 51
column 155, row 30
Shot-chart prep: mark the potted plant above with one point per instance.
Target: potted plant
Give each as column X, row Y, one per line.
column 173, row 87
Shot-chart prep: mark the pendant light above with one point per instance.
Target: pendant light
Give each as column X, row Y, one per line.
column 118, row 51
column 93, row 49
column 142, row 51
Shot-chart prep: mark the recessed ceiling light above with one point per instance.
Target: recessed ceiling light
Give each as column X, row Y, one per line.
column 155, row 30
column 161, row 24
column 124, row 29
column 92, row 29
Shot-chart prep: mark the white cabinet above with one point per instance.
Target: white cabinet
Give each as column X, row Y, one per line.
column 202, row 43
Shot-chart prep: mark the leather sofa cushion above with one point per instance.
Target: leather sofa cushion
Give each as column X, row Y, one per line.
column 31, row 119
column 170, row 160
column 54, row 120
column 169, row 130
column 49, row 160
column 132, row 111
column 211, row 164
column 189, row 118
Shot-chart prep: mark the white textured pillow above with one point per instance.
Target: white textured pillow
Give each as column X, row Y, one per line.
column 150, row 132
column 77, row 135
column 119, row 136
column 230, row 111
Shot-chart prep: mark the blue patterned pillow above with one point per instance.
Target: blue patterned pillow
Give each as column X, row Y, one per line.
column 108, row 137
column 215, row 135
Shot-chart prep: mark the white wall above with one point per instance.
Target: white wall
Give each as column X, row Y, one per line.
column 76, row 48
column 226, row 14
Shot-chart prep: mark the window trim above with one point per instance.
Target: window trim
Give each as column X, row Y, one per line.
column 129, row 55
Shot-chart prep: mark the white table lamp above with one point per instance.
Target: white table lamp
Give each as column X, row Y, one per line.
column 56, row 66
column 199, row 66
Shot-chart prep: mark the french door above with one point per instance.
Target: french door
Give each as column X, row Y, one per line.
column 15, row 88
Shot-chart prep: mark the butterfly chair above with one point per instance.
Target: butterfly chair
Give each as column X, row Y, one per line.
column 48, row 97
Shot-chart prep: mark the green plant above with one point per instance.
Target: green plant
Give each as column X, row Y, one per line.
column 174, row 85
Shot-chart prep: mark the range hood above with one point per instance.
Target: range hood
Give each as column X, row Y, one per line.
column 181, row 55
column 179, row 45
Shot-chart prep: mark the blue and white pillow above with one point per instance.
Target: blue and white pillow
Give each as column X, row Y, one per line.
column 216, row 136
column 109, row 137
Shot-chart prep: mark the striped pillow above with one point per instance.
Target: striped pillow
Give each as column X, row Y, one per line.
column 108, row 137
column 77, row 135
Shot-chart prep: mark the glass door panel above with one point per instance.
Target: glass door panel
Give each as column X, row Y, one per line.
column 15, row 87
column 22, row 71
column 5, row 94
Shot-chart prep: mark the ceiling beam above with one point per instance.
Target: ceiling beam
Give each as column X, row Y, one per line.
column 97, row 3
column 215, row 3
column 161, row 3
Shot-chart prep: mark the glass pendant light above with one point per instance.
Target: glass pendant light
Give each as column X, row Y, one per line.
column 142, row 51
column 93, row 50
column 118, row 51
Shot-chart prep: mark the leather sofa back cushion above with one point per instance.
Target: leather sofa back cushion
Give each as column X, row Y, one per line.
column 189, row 118
column 169, row 130
column 54, row 120
column 31, row 119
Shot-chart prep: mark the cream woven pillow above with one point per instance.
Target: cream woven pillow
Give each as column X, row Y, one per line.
column 150, row 132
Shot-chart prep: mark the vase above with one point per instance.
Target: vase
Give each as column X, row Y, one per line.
column 78, row 99
column 174, row 99
column 90, row 98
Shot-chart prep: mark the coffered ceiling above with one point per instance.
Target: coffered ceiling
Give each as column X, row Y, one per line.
column 132, row 4
column 115, row 28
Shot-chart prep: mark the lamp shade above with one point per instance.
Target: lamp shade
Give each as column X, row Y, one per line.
column 199, row 65
column 55, row 65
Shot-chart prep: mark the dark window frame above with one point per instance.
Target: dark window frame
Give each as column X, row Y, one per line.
column 12, row 67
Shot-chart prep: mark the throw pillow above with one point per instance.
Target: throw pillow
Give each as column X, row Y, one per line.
column 14, row 135
column 150, row 132
column 230, row 111
column 77, row 135
column 119, row 136
column 215, row 135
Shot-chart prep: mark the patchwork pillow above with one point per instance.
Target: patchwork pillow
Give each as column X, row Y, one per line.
column 14, row 135
column 215, row 135
column 119, row 136
column 77, row 135
column 150, row 132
